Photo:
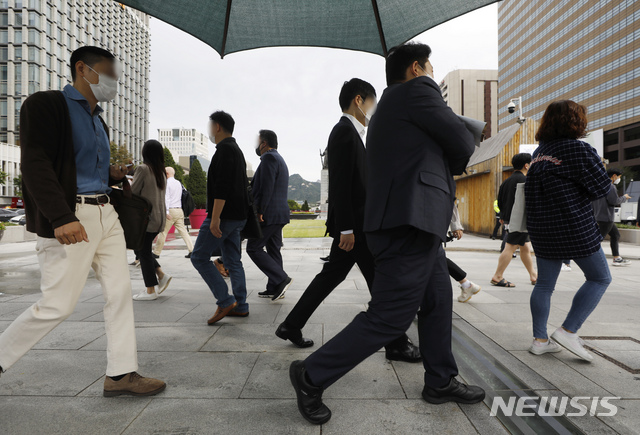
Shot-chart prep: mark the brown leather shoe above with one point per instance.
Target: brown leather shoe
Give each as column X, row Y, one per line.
column 223, row 271
column 133, row 385
column 221, row 313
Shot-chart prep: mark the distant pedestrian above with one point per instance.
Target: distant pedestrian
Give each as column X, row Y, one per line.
column 467, row 288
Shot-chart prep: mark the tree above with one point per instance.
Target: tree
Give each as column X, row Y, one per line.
column 168, row 161
column 120, row 154
column 305, row 206
column 196, row 183
column 3, row 177
column 17, row 186
column 293, row 205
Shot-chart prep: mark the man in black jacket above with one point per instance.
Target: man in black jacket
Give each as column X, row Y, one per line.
column 414, row 146
column 66, row 175
column 227, row 205
column 347, row 195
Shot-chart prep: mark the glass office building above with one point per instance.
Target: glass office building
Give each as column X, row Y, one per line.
column 36, row 41
column 587, row 51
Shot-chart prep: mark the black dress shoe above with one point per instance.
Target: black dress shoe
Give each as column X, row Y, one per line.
column 281, row 289
column 309, row 396
column 155, row 256
column 407, row 352
column 325, row 259
column 293, row 335
column 188, row 255
column 454, row 392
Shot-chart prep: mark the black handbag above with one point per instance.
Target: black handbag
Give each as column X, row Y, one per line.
column 252, row 229
column 134, row 212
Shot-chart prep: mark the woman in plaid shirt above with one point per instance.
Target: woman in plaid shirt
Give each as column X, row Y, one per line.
column 566, row 174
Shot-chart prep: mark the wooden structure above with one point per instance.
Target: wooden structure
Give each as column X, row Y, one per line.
column 489, row 166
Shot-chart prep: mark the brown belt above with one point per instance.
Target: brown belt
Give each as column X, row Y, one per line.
column 91, row 200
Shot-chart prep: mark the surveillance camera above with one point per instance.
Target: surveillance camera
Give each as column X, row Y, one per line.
column 511, row 107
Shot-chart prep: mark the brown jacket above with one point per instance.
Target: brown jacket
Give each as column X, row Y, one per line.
column 145, row 185
column 48, row 163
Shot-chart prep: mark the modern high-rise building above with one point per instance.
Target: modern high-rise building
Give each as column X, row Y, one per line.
column 184, row 142
column 587, row 51
column 36, row 41
column 473, row 93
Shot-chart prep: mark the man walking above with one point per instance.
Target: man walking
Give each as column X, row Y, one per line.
column 513, row 240
column 347, row 193
column 227, row 203
column 414, row 146
column 66, row 177
column 270, row 186
column 175, row 215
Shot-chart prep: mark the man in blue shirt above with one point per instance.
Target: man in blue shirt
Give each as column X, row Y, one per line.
column 66, row 176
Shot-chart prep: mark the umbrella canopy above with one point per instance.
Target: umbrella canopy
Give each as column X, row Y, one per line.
column 372, row 26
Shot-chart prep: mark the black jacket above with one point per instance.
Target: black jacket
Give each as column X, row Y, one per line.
column 227, row 179
column 415, row 144
column 48, row 163
column 507, row 194
column 270, row 188
column 347, row 179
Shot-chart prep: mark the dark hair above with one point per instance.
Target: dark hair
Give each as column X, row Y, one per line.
column 402, row 57
column 519, row 160
column 614, row 171
column 269, row 137
column 89, row 55
column 153, row 157
column 564, row 119
column 352, row 89
column 224, row 120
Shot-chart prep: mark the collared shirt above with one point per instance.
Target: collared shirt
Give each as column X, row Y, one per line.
column 173, row 195
column 90, row 144
column 357, row 124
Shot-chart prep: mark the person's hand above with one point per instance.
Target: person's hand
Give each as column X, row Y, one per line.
column 347, row 241
column 260, row 218
column 168, row 216
column 118, row 172
column 457, row 234
column 71, row 233
column 501, row 222
column 215, row 228
column 626, row 196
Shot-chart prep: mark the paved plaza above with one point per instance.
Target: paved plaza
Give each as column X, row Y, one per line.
column 232, row 378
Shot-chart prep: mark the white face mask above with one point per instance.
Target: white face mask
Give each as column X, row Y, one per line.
column 367, row 116
column 106, row 89
column 212, row 138
column 617, row 181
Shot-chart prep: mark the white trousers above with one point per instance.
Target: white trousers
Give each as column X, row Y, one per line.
column 64, row 271
column 177, row 220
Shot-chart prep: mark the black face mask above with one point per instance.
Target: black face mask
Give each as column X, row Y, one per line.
column 258, row 151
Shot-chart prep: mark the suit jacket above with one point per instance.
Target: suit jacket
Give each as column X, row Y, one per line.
column 347, row 179
column 270, row 188
column 415, row 144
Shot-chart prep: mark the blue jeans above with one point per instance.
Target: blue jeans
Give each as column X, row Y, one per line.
column 596, row 271
column 229, row 245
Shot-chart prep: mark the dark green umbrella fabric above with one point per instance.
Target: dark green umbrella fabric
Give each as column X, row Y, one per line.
column 373, row 26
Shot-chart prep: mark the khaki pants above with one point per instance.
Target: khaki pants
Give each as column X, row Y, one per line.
column 64, row 270
column 177, row 220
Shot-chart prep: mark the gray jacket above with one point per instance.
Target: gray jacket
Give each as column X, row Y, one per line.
column 603, row 207
column 144, row 184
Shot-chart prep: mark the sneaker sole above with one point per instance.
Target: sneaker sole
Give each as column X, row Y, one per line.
column 533, row 351
column 284, row 290
column 130, row 393
column 465, row 300
column 441, row 400
column 559, row 341
column 265, row 296
column 165, row 286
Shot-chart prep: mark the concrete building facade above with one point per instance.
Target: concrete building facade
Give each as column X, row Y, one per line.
column 184, row 142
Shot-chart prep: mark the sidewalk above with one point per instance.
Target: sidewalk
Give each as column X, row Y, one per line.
column 233, row 377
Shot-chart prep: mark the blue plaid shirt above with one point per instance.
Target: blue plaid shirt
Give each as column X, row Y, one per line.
column 565, row 176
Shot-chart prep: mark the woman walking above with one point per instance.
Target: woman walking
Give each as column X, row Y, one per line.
column 566, row 174
column 151, row 182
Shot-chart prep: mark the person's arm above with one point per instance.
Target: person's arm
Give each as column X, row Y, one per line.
column 218, row 205
column 266, row 181
column 139, row 178
column 429, row 111
column 592, row 175
column 223, row 174
column 342, row 152
column 456, row 225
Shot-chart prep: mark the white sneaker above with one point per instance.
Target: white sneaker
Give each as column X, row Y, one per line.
column 144, row 296
column 466, row 293
column 621, row 262
column 565, row 268
column 164, row 283
column 572, row 343
column 539, row 348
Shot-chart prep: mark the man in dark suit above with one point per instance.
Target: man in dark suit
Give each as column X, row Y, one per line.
column 347, row 194
column 414, row 146
column 270, row 186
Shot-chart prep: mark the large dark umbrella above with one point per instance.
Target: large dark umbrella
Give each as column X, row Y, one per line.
column 373, row 26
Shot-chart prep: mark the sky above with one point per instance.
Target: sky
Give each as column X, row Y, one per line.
column 290, row 90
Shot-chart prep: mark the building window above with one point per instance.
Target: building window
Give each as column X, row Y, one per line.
column 4, row 19
column 632, row 153
column 611, row 138
column 34, row 19
column 4, row 36
column 17, row 53
column 632, row 134
column 612, row 156
column 17, row 36
column 4, row 54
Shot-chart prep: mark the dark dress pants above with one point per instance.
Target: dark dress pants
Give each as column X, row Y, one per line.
column 333, row 273
column 411, row 277
column 148, row 263
column 269, row 261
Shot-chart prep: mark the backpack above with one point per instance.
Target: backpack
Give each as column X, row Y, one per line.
column 188, row 205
